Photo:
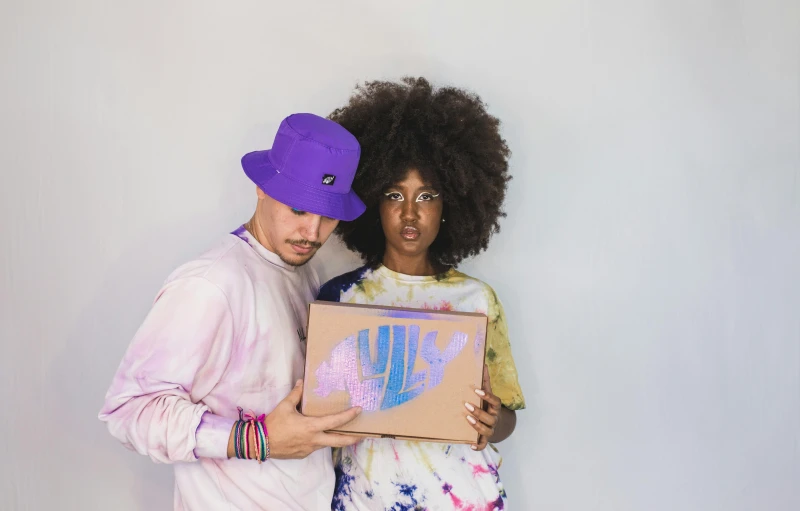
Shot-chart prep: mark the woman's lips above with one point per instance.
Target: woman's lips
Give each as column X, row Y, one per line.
column 410, row 233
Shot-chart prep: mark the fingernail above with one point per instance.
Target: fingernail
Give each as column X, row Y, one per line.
column 298, row 382
column 480, row 392
column 474, row 447
column 471, row 419
column 469, row 407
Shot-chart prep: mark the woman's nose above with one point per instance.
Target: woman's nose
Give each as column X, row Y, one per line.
column 409, row 212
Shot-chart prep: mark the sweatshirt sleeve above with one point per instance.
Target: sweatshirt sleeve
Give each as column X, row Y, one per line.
column 176, row 357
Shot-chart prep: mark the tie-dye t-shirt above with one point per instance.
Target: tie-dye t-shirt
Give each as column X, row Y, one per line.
column 398, row 475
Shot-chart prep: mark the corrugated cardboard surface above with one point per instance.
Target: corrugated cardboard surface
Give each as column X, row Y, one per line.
column 437, row 413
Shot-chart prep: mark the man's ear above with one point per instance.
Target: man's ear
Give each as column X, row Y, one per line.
column 260, row 193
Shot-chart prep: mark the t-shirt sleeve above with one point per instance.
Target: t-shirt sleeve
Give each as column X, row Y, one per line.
column 499, row 360
column 329, row 292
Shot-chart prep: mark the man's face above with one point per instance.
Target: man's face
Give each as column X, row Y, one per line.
column 295, row 236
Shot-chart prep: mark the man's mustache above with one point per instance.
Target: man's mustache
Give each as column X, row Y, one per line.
column 305, row 243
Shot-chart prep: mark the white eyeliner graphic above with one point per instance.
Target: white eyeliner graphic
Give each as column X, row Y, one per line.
column 433, row 196
column 419, row 198
column 387, row 194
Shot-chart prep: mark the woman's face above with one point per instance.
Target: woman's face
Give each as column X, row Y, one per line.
column 411, row 213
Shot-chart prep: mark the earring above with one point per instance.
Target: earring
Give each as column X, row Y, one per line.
column 442, row 220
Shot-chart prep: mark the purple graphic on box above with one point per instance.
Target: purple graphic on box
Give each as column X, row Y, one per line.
column 373, row 389
column 342, row 374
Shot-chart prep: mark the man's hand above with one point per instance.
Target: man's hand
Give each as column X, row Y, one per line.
column 292, row 435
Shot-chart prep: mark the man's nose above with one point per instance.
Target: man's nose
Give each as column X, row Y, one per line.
column 310, row 228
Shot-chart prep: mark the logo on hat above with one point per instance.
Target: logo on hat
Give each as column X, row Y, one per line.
column 328, row 179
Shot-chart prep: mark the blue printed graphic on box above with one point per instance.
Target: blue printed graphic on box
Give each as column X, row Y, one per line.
column 376, row 382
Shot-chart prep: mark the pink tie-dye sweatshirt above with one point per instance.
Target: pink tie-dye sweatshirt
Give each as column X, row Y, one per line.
column 225, row 330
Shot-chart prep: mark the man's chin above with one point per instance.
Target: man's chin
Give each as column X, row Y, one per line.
column 297, row 260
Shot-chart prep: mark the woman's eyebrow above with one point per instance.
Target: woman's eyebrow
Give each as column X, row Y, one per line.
column 423, row 188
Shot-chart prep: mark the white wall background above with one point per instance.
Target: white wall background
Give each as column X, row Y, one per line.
column 650, row 262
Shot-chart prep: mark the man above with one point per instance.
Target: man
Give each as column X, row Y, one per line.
column 227, row 330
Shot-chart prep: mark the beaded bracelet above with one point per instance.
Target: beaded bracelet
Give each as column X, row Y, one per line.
column 251, row 435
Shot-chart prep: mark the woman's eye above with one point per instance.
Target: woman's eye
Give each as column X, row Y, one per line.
column 394, row 196
column 298, row 211
column 424, row 197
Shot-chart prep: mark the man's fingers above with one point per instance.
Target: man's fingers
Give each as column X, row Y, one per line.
column 337, row 440
column 295, row 395
column 336, row 420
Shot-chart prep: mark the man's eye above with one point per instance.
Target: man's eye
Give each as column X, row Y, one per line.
column 298, row 211
column 394, row 196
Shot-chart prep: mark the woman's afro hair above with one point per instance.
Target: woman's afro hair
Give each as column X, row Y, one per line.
column 449, row 137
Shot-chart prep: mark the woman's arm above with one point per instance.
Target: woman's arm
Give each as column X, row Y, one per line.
column 506, row 422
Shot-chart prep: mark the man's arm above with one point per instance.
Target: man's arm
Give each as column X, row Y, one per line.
column 180, row 350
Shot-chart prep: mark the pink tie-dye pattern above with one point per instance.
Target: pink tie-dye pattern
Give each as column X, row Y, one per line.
column 210, row 342
column 460, row 505
column 478, row 469
column 444, row 305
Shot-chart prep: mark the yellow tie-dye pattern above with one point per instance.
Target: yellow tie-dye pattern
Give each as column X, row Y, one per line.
column 422, row 457
column 371, row 289
column 502, row 369
column 462, row 293
column 370, row 457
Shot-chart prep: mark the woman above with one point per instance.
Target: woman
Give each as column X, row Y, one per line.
column 433, row 174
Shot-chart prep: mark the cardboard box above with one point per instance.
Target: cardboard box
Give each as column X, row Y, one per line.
column 410, row 370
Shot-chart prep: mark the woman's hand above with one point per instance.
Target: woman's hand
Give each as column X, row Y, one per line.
column 485, row 420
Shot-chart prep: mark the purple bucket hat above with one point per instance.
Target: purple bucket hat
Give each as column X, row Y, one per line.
column 310, row 167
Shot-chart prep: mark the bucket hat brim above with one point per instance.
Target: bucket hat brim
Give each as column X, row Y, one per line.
column 341, row 206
